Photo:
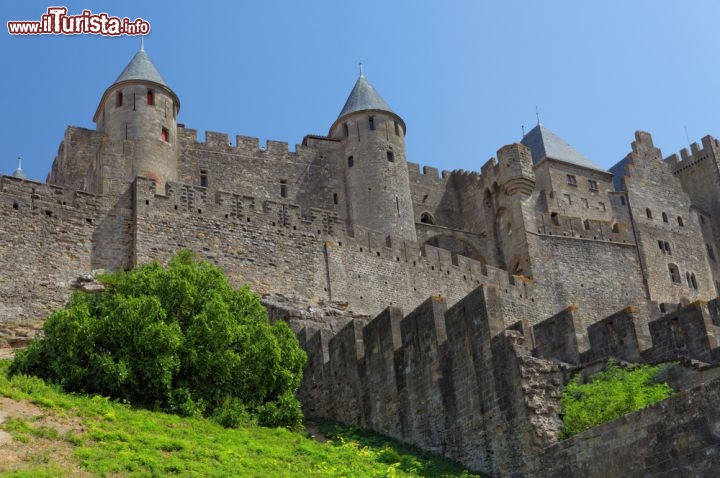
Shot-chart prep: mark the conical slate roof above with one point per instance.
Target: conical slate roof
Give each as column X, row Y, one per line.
column 364, row 97
column 141, row 67
column 543, row 143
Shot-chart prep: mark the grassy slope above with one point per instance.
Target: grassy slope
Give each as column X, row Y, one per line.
column 111, row 439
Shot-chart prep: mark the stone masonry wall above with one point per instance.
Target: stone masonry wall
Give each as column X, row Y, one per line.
column 452, row 381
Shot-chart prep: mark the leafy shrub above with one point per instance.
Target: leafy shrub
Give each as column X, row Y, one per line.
column 179, row 339
column 609, row 395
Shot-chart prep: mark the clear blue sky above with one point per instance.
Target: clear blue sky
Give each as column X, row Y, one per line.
column 464, row 75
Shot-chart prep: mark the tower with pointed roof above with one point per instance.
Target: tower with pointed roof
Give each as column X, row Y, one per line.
column 376, row 172
column 139, row 111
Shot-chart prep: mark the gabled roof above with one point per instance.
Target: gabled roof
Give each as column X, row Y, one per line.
column 141, row 67
column 543, row 143
column 364, row 97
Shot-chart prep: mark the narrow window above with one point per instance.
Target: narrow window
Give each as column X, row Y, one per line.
column 397, row 129
column 283, row 188
column 165, row 135
column 134, row 101
column 555, row 219
column 150, row 98
column 397, row 204
column 346, row 130
column 674, row 273
column 568, row 199
column 585, row 203
column 426, row 218
column 335, row 198
column 680, row 221
column 622, row 200
column 371, row 122
column 593, row 185
column 664, row 216
column 648, row 213
column 694, row 281
column 351, row 161
column 391, row 156
column 571, row 180
column 711, row 252
column 687, row 278
column 667, row 248
column 661, row 246
column 119, row 99
column 203, row 178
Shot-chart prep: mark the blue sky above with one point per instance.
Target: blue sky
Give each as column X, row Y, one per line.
column 464, row 75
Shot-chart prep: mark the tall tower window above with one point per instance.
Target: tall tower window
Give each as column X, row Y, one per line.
column 203, row 178
column 664, row 216
column 351, row 161
column 674, row 274
column 680, row 221
column 150, row 98
column 648, row 213
column 165, row 135
column 371, row 122
column 118, row 99
column 391, row 156
column 283, row 188
column 335, row 198
column 346, row 130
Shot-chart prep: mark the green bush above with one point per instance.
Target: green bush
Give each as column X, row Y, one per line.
column 609, row 395
column 179, row 339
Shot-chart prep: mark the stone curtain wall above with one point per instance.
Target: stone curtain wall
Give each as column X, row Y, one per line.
column 46, row 242
column 451, row 381
column 677, row 437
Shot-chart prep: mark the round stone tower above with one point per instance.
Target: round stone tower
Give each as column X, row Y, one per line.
column 376, row 174
column 140, row 109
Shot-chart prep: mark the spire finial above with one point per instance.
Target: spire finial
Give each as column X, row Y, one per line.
column 142, row 42
column 361, row 69
column 537, row 115
column 19, row 162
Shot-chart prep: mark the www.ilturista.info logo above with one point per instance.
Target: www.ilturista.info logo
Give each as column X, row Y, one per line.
column 57, row 22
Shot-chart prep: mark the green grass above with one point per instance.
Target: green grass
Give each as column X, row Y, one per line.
column 117, row 440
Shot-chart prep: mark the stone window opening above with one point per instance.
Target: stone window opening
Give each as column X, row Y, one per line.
column 397, row 205
column 664, row 247
column 593, row 185
column 711, row 252
column 165, row 135
column 648, row 213
column 427, row 218
column 391, row 157
column 694, row 281
column 622, row 200
column 119, row 99
column 571, row 180
column 203, row 178
column 371, row 123
column 680, row 221
column 674, row 273
column 351, row 161
column 346, row 130
column 283, row 188
column 665, row 218
column 134, row 98
column 150, row 98
column 335, row 198
column 555, row 219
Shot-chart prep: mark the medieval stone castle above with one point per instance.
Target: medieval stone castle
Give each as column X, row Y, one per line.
column 539, row 264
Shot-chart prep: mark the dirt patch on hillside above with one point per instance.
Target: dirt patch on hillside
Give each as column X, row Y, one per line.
column 37, row 451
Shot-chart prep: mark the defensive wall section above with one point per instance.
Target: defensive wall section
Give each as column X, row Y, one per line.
column 480, row 385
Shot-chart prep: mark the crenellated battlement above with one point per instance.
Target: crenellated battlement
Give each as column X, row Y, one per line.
column 695, row 156
column 184, row 199
column 688, row 333
column 244, row 145
column 438, row 376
